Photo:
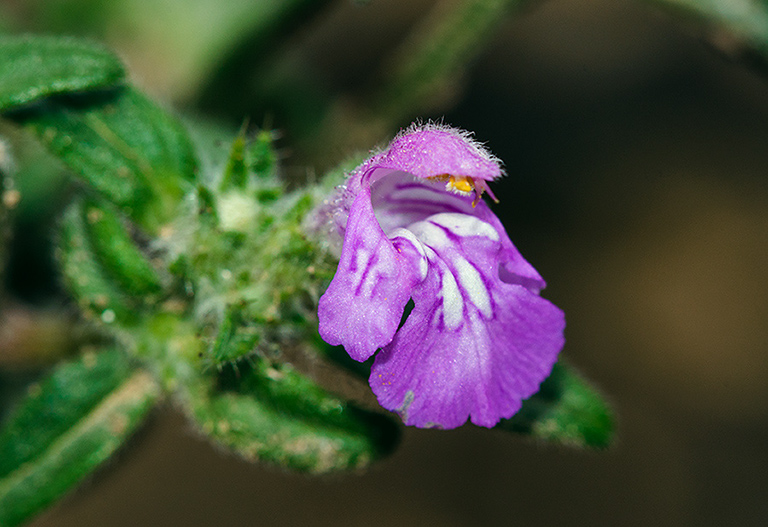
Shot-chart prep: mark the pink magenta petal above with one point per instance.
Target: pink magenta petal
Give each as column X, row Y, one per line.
column 474, row 347
column 480, row 339
column 364, row 303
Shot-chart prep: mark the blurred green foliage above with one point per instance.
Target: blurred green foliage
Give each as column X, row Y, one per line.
column 184, row 249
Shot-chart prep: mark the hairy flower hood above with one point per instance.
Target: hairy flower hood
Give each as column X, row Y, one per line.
column 479, row 339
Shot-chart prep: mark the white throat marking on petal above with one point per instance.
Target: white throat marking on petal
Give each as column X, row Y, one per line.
column 470, row 279
column 413, row 193
column 430, row 234
column 362, row 255
column 433, row 233
column 464, row 225
column 453, row 304
column 408, row 235
column 366, row 279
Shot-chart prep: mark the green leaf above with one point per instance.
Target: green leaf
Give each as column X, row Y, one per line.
column 34, row 67
column 273, row 413
column 55, row 403
column 69, row 424
column 124, row 146
column 260, row 410
column 97, row 292
column 566, row 410
column 118, row 252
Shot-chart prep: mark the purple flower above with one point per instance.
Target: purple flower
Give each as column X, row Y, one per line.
column 479, row 339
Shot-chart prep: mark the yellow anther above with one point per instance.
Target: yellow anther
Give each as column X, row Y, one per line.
column 465, row 185
column 461, row 183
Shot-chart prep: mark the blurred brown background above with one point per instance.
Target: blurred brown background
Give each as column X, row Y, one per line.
column 638, row 186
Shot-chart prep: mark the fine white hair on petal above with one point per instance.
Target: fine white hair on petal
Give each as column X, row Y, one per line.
column 468, row 137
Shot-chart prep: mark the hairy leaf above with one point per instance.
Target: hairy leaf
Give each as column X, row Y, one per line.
column 117, row 251
column 566, row 410
column 69, row 423
column 124, row 146
column 273, row 413
column 92, row 286
column 34, row 67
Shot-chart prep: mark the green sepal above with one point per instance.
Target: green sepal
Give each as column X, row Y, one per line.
column 236, row 172
column 206, row 207
column 35, row 67
column 261, row 156
column 122, row 145
column 70, row 422
column 118, row 252
column 566, row 410
column 252, row 159
column 91, row 285
column 273, row 413
column 235, row 338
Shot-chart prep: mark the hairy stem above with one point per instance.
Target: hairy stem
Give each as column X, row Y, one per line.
column 738, row 27
column 422, row 74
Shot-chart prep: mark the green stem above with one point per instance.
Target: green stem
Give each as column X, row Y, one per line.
column 745, row 20
column 437, row 51
column 420, row 75
column 255, row 51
